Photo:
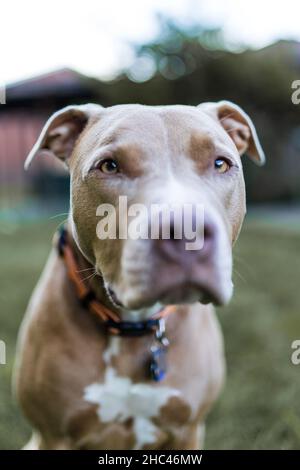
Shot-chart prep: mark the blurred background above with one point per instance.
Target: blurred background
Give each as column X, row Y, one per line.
column 165, row 52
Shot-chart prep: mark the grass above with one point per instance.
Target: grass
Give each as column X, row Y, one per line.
column 259, row 407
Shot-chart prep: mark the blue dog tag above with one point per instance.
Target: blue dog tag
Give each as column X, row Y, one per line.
column 159, row 348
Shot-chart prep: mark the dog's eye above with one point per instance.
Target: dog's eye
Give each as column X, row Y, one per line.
column 109, row 166
column 222, row 165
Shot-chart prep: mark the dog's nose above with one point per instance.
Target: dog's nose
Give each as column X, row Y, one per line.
column 182, row 251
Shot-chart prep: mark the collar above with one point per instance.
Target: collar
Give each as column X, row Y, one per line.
column 87, row 298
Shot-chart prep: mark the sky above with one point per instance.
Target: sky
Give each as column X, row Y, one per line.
column 94, row 36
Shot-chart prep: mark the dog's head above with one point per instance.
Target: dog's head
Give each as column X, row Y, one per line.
column 161, row 157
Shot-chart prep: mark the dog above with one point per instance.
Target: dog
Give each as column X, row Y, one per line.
column 120, row 347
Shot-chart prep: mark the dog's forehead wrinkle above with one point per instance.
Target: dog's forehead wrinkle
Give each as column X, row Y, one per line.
column 122, row 118
column 135, row 118
column 137, row 128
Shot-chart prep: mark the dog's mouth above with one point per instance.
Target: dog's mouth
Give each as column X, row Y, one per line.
column 113, row 297
column 181, row 293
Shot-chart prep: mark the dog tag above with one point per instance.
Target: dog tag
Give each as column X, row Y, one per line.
column 159, row 348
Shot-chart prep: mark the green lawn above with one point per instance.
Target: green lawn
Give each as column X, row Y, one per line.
column 260, row 405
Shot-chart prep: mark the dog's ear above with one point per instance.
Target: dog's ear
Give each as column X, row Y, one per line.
column 61, row 131
column 239, row 127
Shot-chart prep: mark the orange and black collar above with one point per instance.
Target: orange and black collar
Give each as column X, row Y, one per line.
column 109, row 319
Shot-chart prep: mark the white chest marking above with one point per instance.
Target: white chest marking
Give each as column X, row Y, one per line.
column 119, row 399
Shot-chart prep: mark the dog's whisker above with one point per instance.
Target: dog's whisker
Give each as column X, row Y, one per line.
column 58, row 215
column 87, row 269
column 89, row 277
column 241, row 261
column 61, row 223
column 240, row 276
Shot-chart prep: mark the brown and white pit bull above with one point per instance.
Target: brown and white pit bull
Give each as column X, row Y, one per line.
column 78, row 385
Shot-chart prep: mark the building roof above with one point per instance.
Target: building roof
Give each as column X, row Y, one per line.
column 60, row 83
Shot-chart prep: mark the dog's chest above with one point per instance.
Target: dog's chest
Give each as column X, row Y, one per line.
column 144, row 409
